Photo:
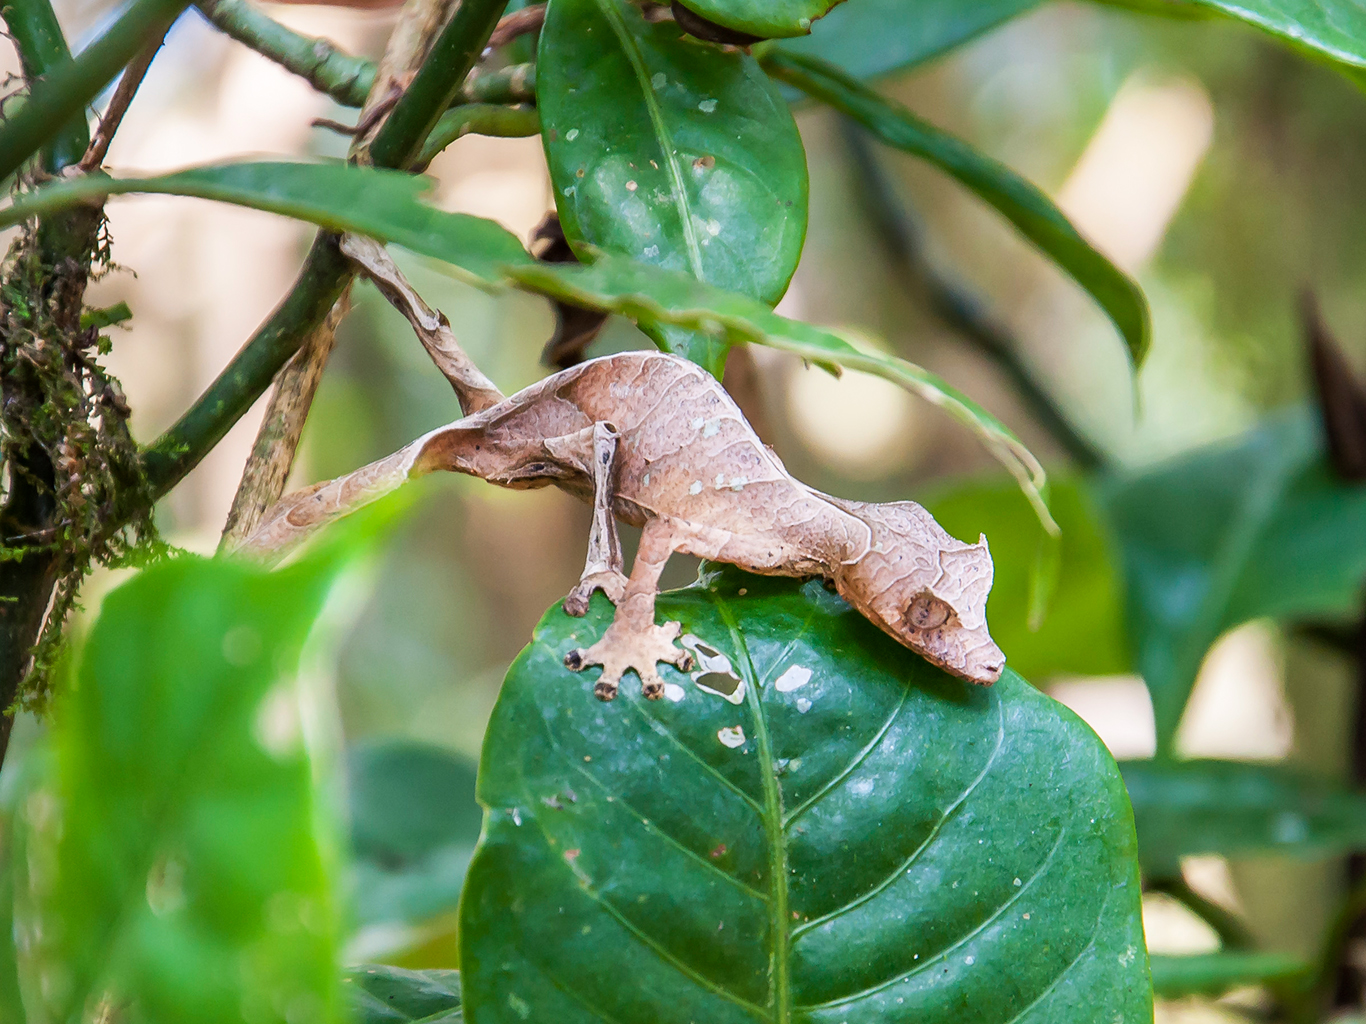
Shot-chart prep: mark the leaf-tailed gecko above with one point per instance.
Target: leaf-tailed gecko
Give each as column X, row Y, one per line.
column 655, row 441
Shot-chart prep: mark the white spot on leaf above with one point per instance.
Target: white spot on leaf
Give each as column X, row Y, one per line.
column 862, row 787
column 795, row 677
column 659, row 79
column 674, row 692
column 571, row 135
column 803, row 705
column 731, row 736
column 707, row 106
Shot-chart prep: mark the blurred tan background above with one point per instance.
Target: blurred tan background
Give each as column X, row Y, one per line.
column 1223, row 171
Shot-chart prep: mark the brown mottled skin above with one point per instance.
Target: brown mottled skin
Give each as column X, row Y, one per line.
column 654, row 441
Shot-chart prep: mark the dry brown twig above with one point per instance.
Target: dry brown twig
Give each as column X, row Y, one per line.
column 124, row 92
column 518, row 23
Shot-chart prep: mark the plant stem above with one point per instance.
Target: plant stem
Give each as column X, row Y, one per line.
column 129, row 82
column 64, row 92
column 325, row 272
column 437, row 83
column 1229, row 927
column 347, row 79
column 320, row 283
column 957, row 307
column 42, row 50
column 480, row 119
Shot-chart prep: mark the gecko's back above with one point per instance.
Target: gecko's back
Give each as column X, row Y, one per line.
column 686, row 451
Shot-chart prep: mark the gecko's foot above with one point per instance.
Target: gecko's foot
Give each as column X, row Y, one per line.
column 621, row 650
column 610, row 582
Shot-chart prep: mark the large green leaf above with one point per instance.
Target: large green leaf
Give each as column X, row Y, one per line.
column 1080, row 621
column 848, row 835
column 391, row 995
column 680, row 155
column 185, row 867
column 1229, row 807
column 1213, row 974
column 1257, row 526
column 1032, row 212
column 387, row 205
column 871, row 38
column 414, row 823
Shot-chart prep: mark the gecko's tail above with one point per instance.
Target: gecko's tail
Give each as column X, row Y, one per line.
column 298, row 516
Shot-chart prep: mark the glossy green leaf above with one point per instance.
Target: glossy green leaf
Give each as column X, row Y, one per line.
column 850, row 835
column 414, row 823
column 872, row 38
column 1034, row 215
column 379, row 994
column 1335, row 29
column 1082, row 628
column 185, row 867
column 675, row 153
column 1213, row 974
column 1254, row 527
column 767, row 19
column 1230, row 807
column 387, row 205
column 11, row 1004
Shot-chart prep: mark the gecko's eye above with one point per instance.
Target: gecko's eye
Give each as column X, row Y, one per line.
column 927, row 612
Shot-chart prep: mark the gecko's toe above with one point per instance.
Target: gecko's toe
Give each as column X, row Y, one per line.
column 684, row 662
column 651, row 686
column 604, row 690
column 574, row 660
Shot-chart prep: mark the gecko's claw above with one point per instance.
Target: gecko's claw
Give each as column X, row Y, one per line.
column 610, row 582
column 622, row 650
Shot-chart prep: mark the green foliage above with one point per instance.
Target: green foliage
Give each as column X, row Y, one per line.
column 677, row 154
column 1214, row 974
column 175, row 863
column 1230, row 807
column 1079, row 628
column 1032, row 212
column 391, row 995
column 767, row 19
column 873, row 38
column 823, row 843
column 414, row 823
column 1255, row 527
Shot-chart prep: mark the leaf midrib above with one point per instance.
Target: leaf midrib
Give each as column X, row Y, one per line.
column 662, row 135
column 772, row 817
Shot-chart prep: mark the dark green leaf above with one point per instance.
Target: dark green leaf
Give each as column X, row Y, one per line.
column 391, row 995
column 1032, row 212
column 414, row 823
column 674, row 153
column 1213, row 974
column 1257, row 526
column 851, row 836
column 387, row 205
column 11, row 1005
column 871, row 38
column 1082, row 628
column 767, row 19
column 183, row 870
column 1229, row 807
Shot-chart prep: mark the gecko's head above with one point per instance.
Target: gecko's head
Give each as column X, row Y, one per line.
column 927, row 589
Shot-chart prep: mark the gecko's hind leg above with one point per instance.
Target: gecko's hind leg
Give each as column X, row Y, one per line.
column 633, row 641
column 603, row 569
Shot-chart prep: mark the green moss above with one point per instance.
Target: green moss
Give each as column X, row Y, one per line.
column 63, row 429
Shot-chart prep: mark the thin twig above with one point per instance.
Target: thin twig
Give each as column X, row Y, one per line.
column 127, row 88
column 518, row 23
column 272, row 456
column 955, row 305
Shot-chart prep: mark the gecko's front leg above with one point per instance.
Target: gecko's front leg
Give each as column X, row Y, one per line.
column 603, row 569
column 633, row 641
